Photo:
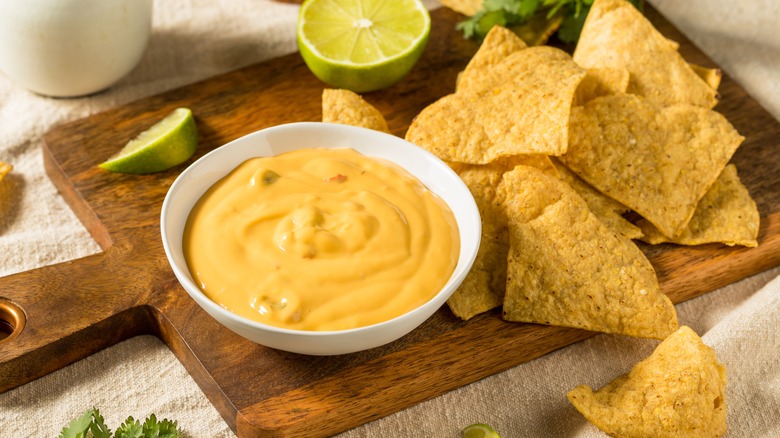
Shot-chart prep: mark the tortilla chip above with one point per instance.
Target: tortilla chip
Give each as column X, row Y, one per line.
column 448, row 128
column 348, row 108
column 609, row 211
column 601, row 82
column 539, row 161
column 5, row 168
column 499, row 43
column 520, row 107
column 522, row 66
column 712, row 76
column 659, row 162
column 465, row 7
column 726, row 214
column 617, row 35
column 566, row 268
column 483, row 288
column 677, row 392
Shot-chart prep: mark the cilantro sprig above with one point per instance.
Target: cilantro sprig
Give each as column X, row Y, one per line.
column 91, row 424
column 509, row 13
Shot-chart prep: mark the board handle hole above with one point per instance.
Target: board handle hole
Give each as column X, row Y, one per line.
column 12, row 320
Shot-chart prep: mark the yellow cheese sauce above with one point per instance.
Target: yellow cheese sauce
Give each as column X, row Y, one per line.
column 320, row 239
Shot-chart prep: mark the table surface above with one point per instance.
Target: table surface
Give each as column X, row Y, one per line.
column 197, row 40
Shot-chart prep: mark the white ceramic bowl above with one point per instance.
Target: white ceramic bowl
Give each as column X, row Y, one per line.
column 436, row 175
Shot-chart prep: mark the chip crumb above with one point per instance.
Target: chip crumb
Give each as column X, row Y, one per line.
column 5, row 169
column 712, row 76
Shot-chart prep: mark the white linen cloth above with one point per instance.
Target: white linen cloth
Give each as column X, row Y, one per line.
column 198, row 39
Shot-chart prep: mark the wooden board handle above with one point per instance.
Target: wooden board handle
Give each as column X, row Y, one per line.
column 69, row 315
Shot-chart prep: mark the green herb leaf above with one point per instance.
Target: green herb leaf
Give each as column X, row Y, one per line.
column 131, row 428
column 78, row 427
column 571, row 26
column 468, row 27
column 168, row 429
column 162, row 429
column 90, row 424
column 528, row 8
column 151, row 428
column 510, row 13
column 498, row 12
column 98, row 426
column 490, row 19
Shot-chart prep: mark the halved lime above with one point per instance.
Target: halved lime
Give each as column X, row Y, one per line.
column 362, row 45
column 480, row 430
column 169, row 142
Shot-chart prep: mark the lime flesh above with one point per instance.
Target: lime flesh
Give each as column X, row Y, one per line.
column 480, row 430
column 362, row 45
column 169, row 142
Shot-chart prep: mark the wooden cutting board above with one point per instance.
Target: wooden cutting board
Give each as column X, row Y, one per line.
column 77, row 308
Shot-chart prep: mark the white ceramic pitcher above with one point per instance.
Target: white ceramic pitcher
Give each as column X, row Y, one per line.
column 67, row 48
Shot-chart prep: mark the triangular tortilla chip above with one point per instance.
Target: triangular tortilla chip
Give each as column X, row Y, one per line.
column 449, row 129
column 348, row 108
column 483, row 288
column 534, row 65
column 677, row 392
column 617, row 35
column 726, row 214
column 499, row 43
column 518, row 107
column 657, row 161
column 609, row 211
column 566, row 268
column 601, row 82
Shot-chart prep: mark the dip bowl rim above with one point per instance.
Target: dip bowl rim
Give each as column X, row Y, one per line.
column 193, row 181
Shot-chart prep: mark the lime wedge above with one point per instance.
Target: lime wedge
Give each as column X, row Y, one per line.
column 480, row 430
column 362, row 45
column 169, row 142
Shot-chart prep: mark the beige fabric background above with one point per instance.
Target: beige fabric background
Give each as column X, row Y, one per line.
column 197, row 39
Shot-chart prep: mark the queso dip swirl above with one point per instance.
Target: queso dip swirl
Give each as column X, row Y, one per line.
column 320, row 239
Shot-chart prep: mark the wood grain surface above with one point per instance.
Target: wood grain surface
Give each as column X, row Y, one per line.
column 77, row 308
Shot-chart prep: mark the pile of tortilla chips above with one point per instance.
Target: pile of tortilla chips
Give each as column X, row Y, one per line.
column 558, row 149
column 558, row 152
column 624, row 126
